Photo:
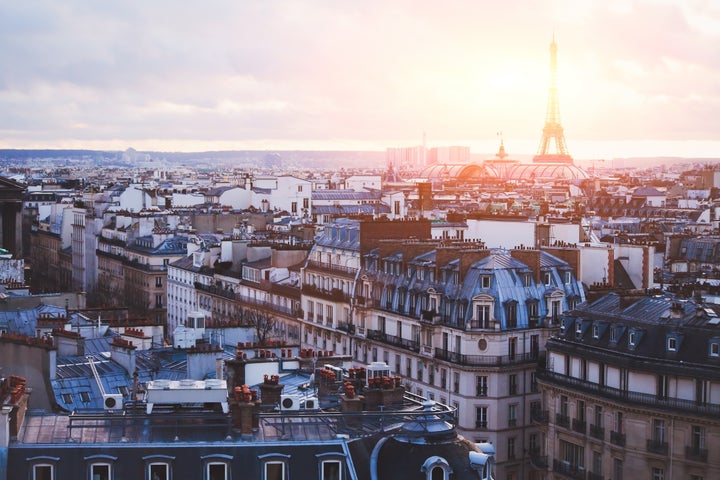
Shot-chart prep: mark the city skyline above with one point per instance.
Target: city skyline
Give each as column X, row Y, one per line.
column 636, row 78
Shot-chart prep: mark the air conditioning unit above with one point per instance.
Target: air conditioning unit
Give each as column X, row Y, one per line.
column 289, row 402
column 311, row 403
column 113, row 401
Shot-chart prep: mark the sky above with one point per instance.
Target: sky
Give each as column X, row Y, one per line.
column 635, row 77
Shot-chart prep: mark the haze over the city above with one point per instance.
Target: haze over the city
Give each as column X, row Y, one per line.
column 636, row 78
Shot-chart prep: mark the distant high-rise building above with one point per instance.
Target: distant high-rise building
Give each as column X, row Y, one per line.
column 453, row 154
column 406, row 158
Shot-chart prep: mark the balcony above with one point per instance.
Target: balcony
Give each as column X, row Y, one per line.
column 346, row 327
column 569, row 470
column 335, row 294
column 538, row 461
column 539, row 417
column 331, row 268
column 617, row 438
column 579, row 426
column 657, row 446
column 633, row 398
column 393, row 340
column 696, row 454
column 429, row 316
column 597, row 432
column 484, row 360
column 481, row 425
column 562, row 420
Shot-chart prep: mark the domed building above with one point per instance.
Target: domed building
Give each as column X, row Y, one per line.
column 426, row 448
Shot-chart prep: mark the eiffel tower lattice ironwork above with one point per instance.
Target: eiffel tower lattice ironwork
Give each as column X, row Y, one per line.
column 553, row 130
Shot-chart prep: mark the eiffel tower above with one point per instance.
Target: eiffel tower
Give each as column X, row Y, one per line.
column 553, row 130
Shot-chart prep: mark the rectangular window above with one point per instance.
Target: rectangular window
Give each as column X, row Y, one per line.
column 481, row 417
column 512, row 415
column 158, row 281
column 485, row 281
column 697, row 437
column 581, row 410
column 659, row 430
column 597, row 464
column 306, row 203
column 158, row 471
column 331, row 470
column 702, row 387
column 274, row 471
column 482, row 312
column 481, row 386
column 573, row 454
column 662, row 386
column 618, row 426
column 293, row 207
column 618, row 469
column 511, row 448
column 43, row 472
column 456, row 382
column 85, row 397
column 672, row 344
column 658, row 474
column 217, row 471
column 715, row 349
column 512, row 384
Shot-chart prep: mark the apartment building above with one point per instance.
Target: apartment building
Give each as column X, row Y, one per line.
column 463, row 325
column 631, row 390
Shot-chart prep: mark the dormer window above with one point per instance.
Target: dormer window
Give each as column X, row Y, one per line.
column 596, row 331
column 485, row 281
column 715, row 349
column 568, row 277
column 548, row 279
column 631, row 339
column 578, row 327
column 527, row 280
column 672, row 344
column 436, row 468
column 613, row 334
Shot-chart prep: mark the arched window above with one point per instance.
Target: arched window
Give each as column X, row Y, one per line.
column 158, row 467
column 275, row 466
column 100, row 466
column 216, row 467
column 43, row 468
column 436, row 468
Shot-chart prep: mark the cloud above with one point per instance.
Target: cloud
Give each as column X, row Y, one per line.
column 325, row 71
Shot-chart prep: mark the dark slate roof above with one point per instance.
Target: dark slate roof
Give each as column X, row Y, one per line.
column 345, row 195
column 398, row 459
column 350, row 209
column 653, row 320
column 647, row 192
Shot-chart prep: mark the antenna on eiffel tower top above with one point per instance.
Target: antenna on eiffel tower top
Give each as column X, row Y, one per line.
column 553, row 131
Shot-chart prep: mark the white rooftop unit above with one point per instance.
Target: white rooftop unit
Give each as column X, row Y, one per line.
column 179, row 392
column 186, row 336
